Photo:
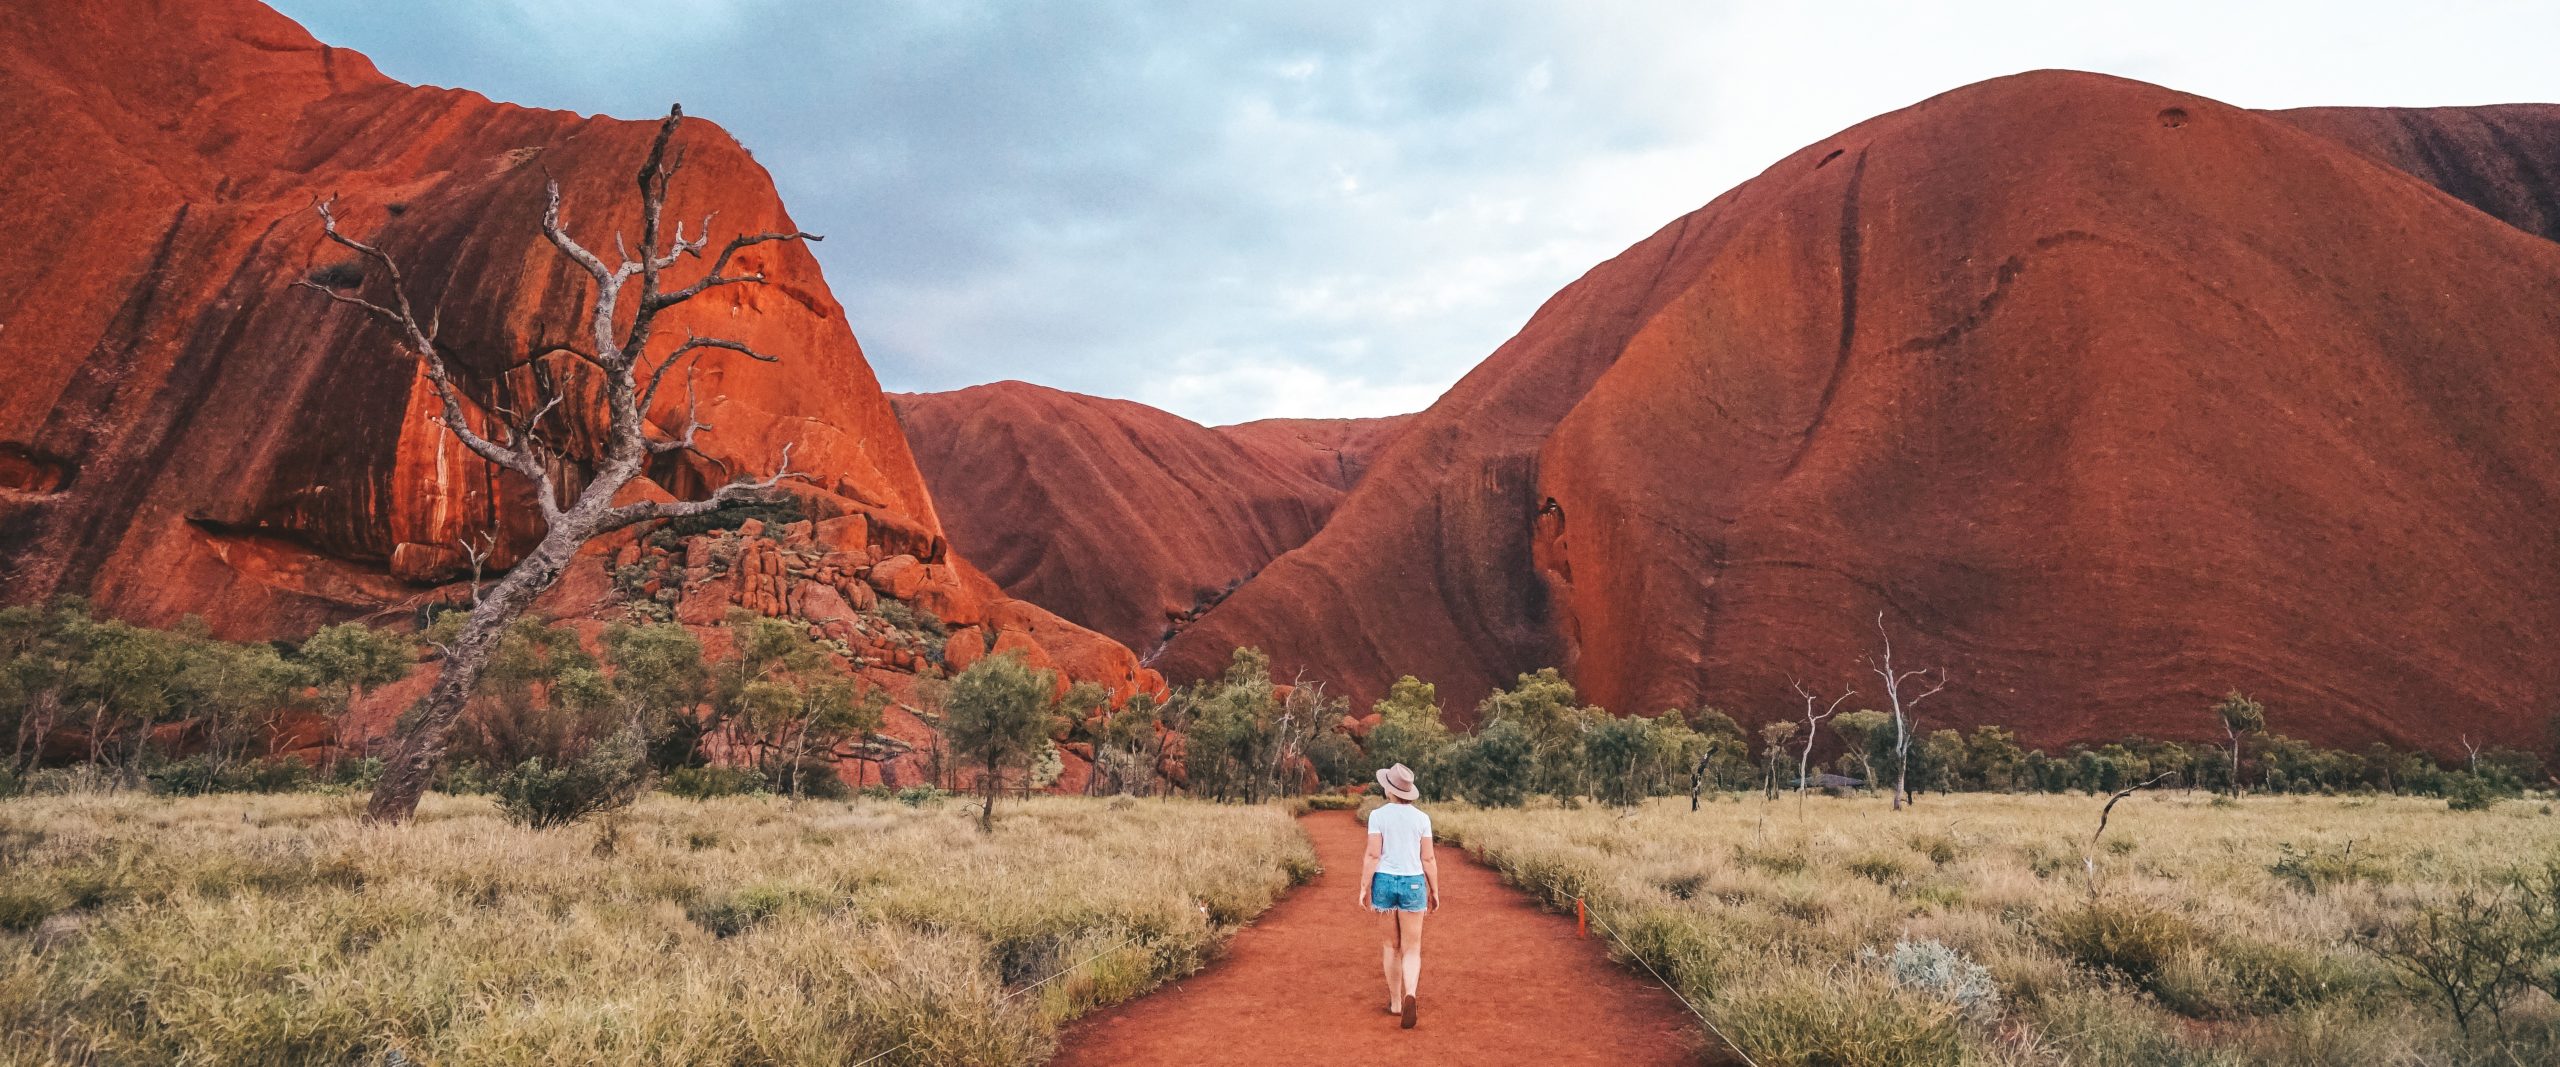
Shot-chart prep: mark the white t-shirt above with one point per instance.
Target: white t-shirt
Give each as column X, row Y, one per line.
column 1404, row 827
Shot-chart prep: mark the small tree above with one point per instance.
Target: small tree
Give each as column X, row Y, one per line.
column 1862, row 733
column 1813, row 727
column 1903, row 692
column 2240, row 717
column 1410, row 729
column 997, row 715
column 1774, row 736
column 350, row 658
column 659, row 683
column 618, row 351
column 1494, row 766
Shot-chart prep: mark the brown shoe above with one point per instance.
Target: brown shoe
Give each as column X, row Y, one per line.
column 1412, row 1009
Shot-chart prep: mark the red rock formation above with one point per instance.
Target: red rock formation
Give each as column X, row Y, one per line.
column 186, row 433
column 1116, row 515
column 2108, row 397
column 1336, row 452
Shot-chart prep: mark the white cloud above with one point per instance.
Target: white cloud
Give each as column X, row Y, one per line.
column 1320, row 207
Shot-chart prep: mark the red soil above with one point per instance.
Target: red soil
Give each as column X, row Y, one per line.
column 1502, row 982
column 1116, row 515
column 2109, row 397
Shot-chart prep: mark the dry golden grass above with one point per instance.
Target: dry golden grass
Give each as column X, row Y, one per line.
column 2174, row 941
column 281, row 930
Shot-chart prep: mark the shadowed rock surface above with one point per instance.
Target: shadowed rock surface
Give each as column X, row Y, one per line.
column 1119, row 516
column 2109, row 397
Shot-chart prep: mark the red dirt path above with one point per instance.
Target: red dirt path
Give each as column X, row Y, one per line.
column 1502, row 982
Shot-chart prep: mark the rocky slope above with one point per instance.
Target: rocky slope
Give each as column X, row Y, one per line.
column 2107, row 397
column 1116, row 515
column 186, row 433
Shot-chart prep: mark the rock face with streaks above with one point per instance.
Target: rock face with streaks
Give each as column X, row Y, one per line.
column 185, row 432
column 1116, row 515
column 2107, row 397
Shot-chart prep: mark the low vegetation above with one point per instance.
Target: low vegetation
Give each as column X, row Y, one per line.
column 281, row 930
column 1985, row 929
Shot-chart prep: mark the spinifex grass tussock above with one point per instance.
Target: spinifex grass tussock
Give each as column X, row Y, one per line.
column 282, row 930
column 1989, row 929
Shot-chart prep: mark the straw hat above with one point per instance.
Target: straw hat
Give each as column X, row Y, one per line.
column 1398, row 782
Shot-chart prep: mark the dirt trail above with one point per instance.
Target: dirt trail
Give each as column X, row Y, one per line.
column 1502, row 983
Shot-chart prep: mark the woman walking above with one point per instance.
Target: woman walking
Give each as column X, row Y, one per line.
column 1400, row 879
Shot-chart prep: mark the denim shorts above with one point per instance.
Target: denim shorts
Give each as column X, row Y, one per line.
column 1399, row 892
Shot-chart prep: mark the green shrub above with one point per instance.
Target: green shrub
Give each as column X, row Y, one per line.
column 356, row 773
column 465, row 778
column 2464, row 791
column 917, row 796
column 701, row 783
column 1330, row 802
column 198, row 776
column 606, row 777
column 779, row 511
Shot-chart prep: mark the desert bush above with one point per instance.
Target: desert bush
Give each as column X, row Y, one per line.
column 198, row 775
column 2472, row 951
column 1933, row 969
column 701, row 783
column 2129, row 940
column 608, row 776
column 2465, row 791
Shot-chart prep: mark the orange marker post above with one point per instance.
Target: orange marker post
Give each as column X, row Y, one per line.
column 1580, row 923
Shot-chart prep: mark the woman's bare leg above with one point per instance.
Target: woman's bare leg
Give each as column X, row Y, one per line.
column 1393, row 956
column 1409, row 937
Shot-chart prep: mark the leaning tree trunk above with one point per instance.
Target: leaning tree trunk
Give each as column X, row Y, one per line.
column 419, row 750
column 517, row 441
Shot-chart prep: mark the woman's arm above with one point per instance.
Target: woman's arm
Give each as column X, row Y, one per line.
column 1369, row 865
column 1431, row 871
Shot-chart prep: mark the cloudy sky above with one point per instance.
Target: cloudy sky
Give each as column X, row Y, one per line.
column 1240, row 210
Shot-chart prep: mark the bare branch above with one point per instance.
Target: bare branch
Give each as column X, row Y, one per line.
column 387, row 316
column 643, row 511
column 681, row 247
column 692, row 424
column 649, row 394
column 560, row 238
column 715, row 278
column 420, row 341
column 583, row 355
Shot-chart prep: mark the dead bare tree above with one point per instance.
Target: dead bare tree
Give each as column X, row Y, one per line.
column 2089, row 856
column 621, row 359
column 1812, row 727
column 1882, row 665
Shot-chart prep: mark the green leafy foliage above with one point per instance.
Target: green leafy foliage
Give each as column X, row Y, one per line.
column 997, row 716
column 608, row 776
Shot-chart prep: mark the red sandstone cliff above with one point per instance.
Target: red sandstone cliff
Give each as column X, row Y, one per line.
column 2109, row 397
column 185, row 433
column 1119, row 516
